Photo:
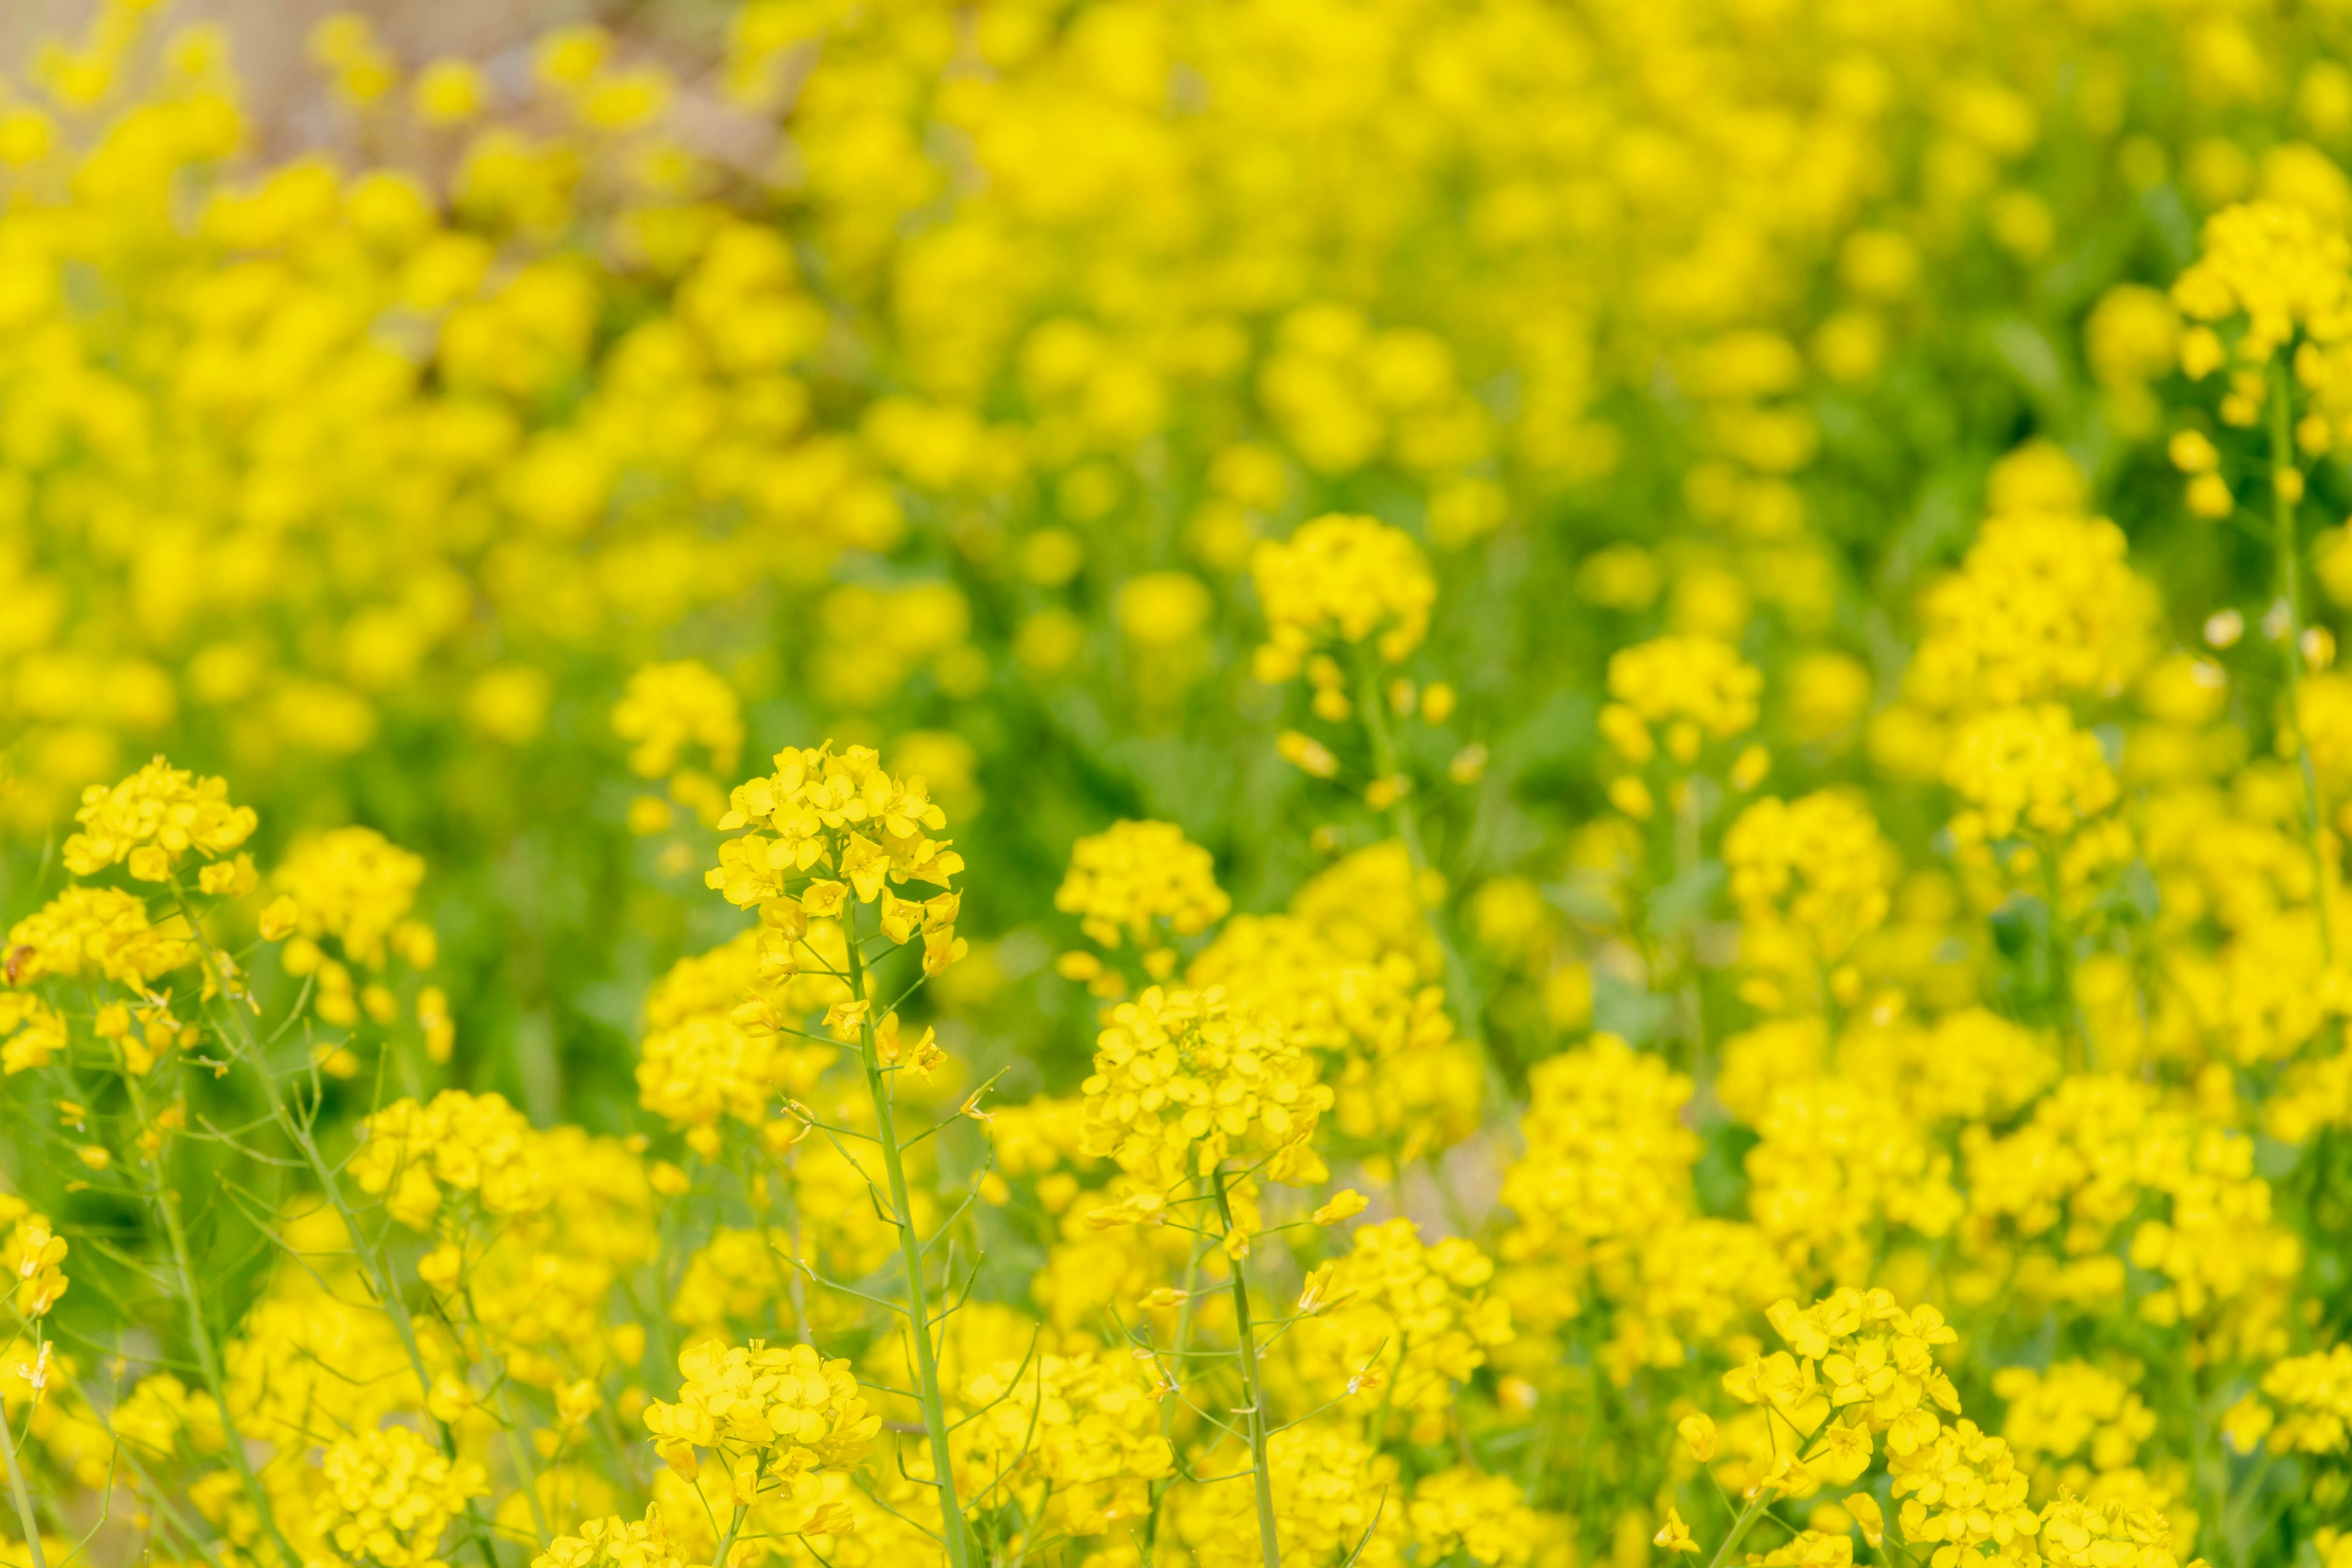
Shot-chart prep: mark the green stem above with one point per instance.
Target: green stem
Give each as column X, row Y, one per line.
column 1748, row 1516
column 727, row 1542
column 1181, row 1358
column 1261, row 1472
column 1372, row 702
column 526, row 1463
column 32, row 1525
column 911, row 1248
column 248, row 1045
column 159, row 1192
column 2288, row 546
column 2062, row 954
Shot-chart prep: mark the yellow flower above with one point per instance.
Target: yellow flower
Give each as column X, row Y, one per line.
column 153, row 818
column 1340, row 578
column 1184, row 1080
column 1675, row 1535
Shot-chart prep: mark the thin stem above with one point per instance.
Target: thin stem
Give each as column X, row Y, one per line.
column 2061, row 957
column 298, row 1132
column 910, row 1247
column 1251, row 1390
column 23, row 1496
column 1183, row 1348
column 2288, row 545
column 207, row 1355
column 727, row 1542
column 1372, row 702
column 1748, row 1516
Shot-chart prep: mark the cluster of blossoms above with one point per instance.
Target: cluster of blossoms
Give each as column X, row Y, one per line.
column 356, row 886
column 1673, row 697
column 621, row 1544
column 1810, row 878
column 1399, row 1324
column 475, row 1144
column 2031, row 774
column 2304, row 1406
column 390, row 1496
column 1076, row 1440
column 769, row 1413
column 155, row 819
column 1403, row 1082
column 2044, row 606
column 1340, row 579
column 712, row 1048
column 1139, row 883
column 664, row 708
column 844, row 816
column 1186, row 1080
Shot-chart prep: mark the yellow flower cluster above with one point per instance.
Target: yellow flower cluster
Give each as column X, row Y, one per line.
column 33, row 1256
column 1131, row 881
column 841, row 815
column 390, row 1496
column 1403, row 1081
column 1694, row 689
column 96, row 932
column 668, row 707
column 1397, row 1324
column 1185, row 1080
column 1608, row 1155
column 2086, row 1165
column 1860, row 1376
column 2073, row 1411
column 2305, row 1407
column 477, row 1144
column 1811, row 879
column 2112, row 1535
column 1331, row 1491
column 1075, row 1440
column 353, row 884
column 2045, row 606
column 623, row 1544
column 2278, row 265
column 770, row 1413
column 1340, row 578
column 356, row 886
column 2027, row 767
column 713, row 1047
column 152, row 819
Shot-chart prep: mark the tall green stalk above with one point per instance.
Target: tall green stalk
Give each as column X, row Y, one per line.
column 1261, row 1473
column 209, row 1363
column 247, row 1045
column 32, row 1525
column 911, row 1248
column 1372, row 703
column 2287, row 545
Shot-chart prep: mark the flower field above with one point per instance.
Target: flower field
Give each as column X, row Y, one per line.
column 1182, row 784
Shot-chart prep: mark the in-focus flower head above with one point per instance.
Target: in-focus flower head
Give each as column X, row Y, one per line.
column 391, row 1496
column 770, row 1412
column 152, row 819
column 1185, row 1080
column 841, row 814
